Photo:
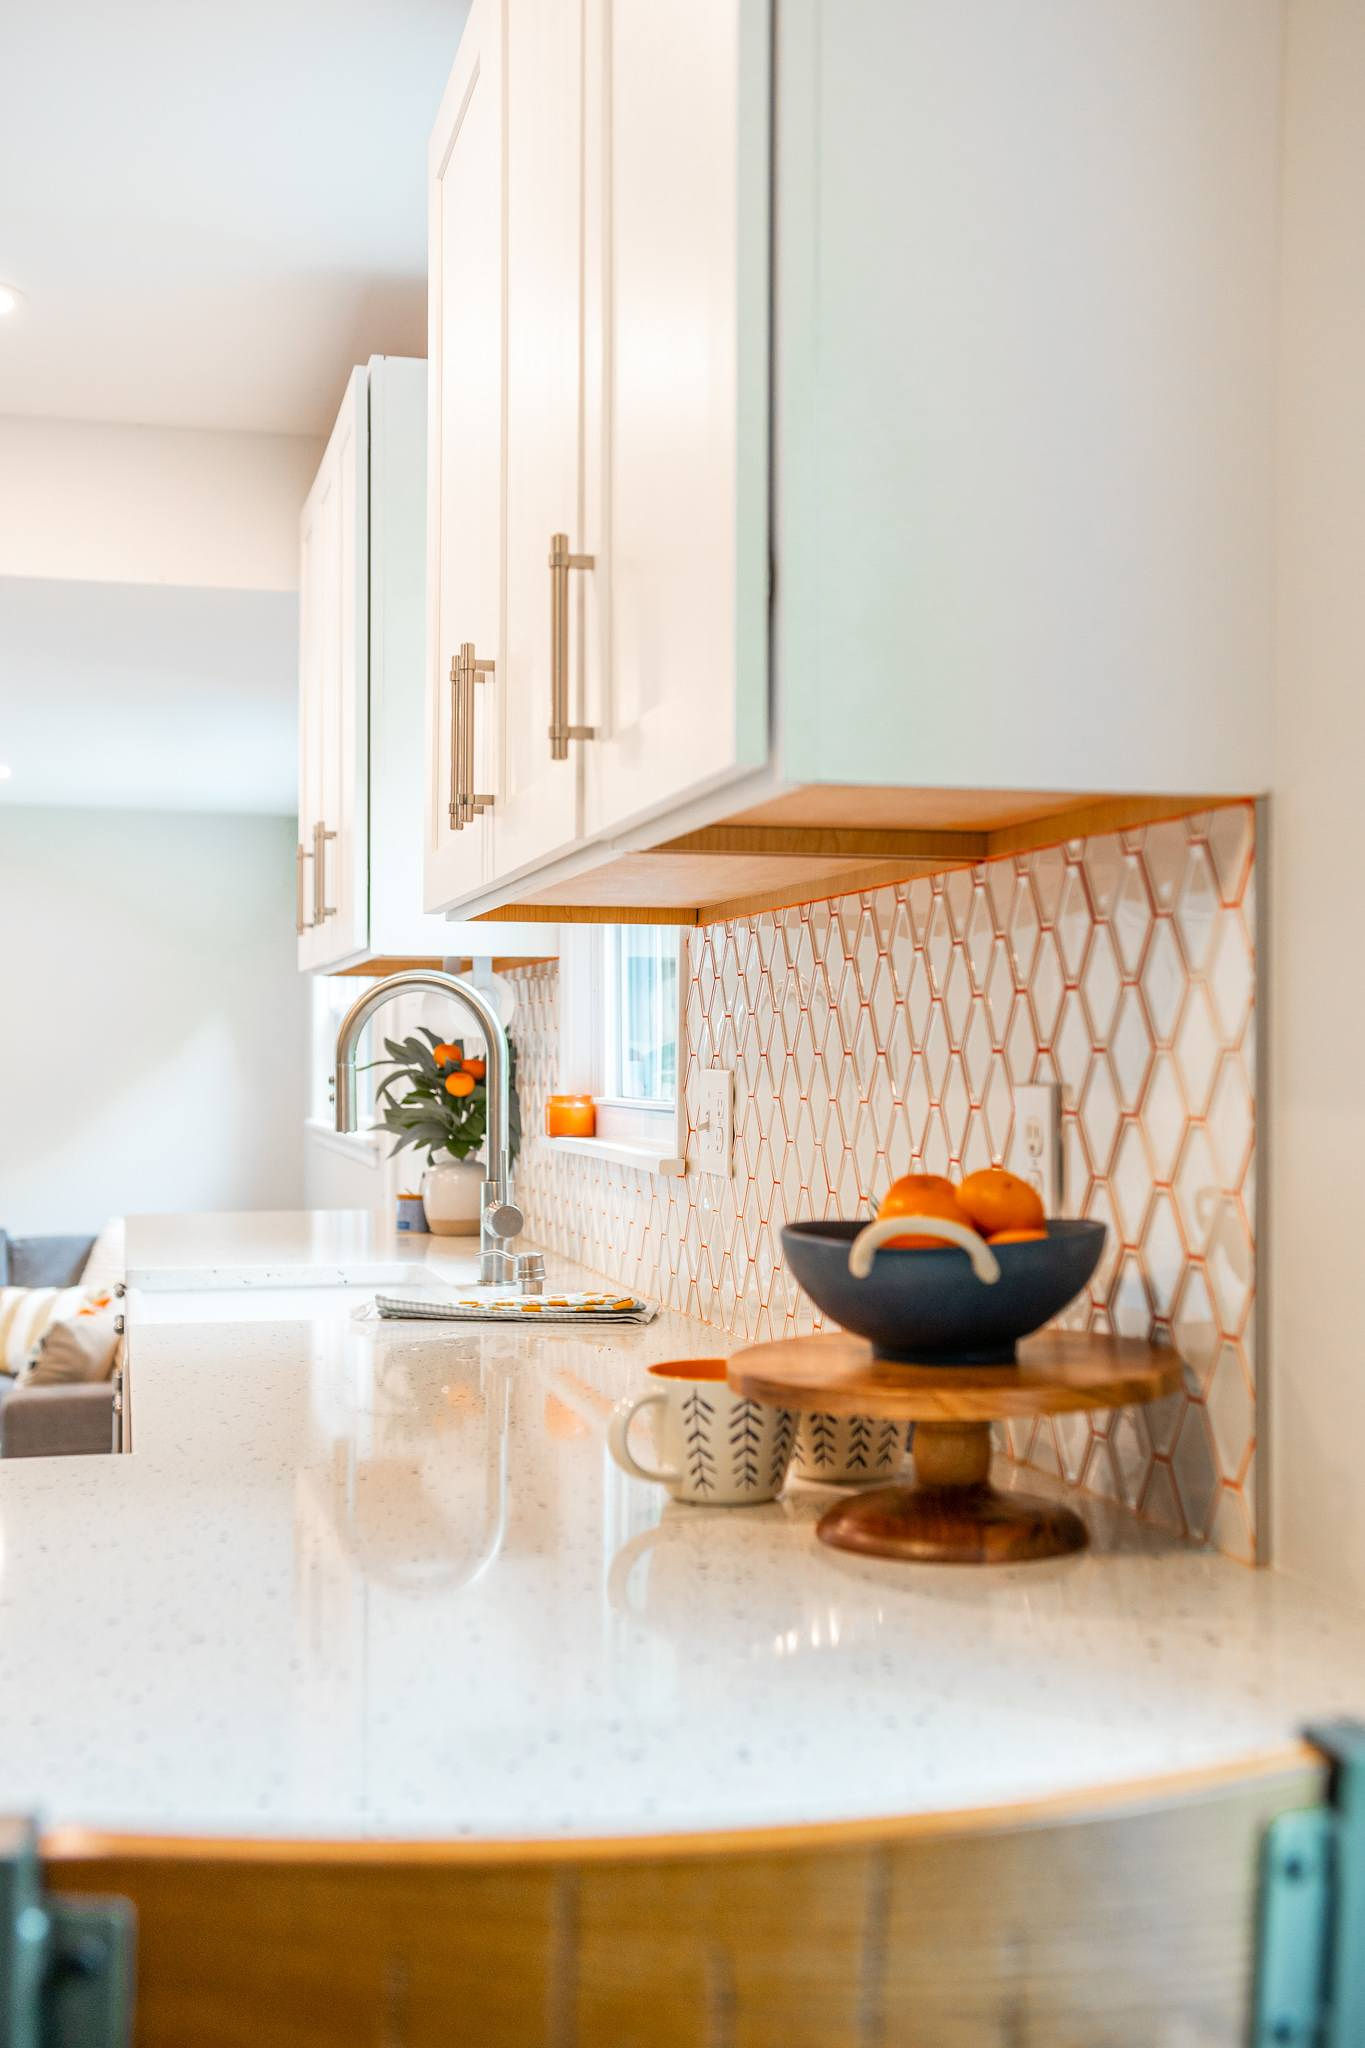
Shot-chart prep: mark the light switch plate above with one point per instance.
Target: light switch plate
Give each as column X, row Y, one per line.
column 1036, row 1149
column 714, row 1132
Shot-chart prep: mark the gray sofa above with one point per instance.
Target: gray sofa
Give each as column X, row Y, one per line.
column 49, row 1422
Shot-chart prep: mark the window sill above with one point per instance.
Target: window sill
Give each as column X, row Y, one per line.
column 362, row 1146
column 617, row 1152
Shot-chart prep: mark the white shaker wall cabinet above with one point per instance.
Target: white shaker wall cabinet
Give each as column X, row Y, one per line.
column 676, row 401
column 619, row 261
column 362, row 761
column 538, row 811
column 465, row 476
column 332, row 893
column 912, row 419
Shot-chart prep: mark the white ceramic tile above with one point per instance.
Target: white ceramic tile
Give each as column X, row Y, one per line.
column 1130, row 1176
column 1196, row 912
column 1230, row 844
column 1102, row 984
column 1194, row 1325
column 1164, row 853
column 1100, row 1112
column 1163, row 981
column 1131, row 1049
column 1197, row 1190
column 1195, row 1471
column 1022, row 930
column 1230, row 1120
column 890, row 1029
column 1231, row 1411
column 1132, row 918
column 1232, row 977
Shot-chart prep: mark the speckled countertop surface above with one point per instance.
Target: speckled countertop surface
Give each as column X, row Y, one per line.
column 383, row 1580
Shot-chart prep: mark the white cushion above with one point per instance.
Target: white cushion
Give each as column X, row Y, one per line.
column 106, row 1264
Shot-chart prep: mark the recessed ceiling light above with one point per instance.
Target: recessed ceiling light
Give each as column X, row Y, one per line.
column 11, row 298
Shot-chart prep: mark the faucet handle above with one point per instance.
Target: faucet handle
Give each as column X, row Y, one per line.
column 530, row 1273
column 504, row 1219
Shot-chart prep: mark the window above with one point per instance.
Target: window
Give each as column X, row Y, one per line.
column 640, row 1040
column 619, row 1032
column 333, row 995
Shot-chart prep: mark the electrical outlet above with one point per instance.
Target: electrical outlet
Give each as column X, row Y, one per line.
column 714, row 1132
column 1036, row 1151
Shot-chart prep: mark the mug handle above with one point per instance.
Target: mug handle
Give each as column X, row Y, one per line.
column 621, row 1570
column 618, row 1437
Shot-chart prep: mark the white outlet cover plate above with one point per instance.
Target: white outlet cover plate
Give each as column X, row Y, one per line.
column 1036, row 1145
column 713, row 1135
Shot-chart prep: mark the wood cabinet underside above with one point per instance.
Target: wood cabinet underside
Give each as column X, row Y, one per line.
column 804, row 846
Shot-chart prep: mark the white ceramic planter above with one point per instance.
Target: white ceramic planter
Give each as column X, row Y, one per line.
column 452, row 1192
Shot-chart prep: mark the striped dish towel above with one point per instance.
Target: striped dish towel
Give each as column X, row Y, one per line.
column 522, row 1308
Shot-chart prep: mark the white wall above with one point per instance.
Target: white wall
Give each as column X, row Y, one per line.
column 116, row 504
column 1317, row 1153
column 149, row 696
column 151, row 1016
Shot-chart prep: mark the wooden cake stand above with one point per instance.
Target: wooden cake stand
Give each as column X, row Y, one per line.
column 952, row 1514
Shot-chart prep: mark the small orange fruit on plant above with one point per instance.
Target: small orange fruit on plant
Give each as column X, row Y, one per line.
column 478, row 1068
column 447, row 1055
column 460, row 1084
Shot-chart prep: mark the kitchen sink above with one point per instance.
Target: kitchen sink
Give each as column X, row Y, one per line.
column 292, row 1292
column 372, row 1273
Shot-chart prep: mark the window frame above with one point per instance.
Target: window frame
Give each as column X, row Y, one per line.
column 648, row 1134
column 330, row 996
column 610, row 1094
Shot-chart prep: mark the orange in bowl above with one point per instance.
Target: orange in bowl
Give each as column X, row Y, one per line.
column 921, row 1194
column 997, row 1201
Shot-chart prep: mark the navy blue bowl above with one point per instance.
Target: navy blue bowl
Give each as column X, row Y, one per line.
column 926, row 1306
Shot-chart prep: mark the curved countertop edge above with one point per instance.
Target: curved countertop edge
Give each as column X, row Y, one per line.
column 72, row 1843
column 261, row 1405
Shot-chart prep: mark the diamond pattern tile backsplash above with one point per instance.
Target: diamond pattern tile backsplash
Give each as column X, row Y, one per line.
column 886, row 1032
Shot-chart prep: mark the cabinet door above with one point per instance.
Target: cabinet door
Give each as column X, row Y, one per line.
column 465, row 443
column 310, row 732
column 537, row 810
column 676, row 262
column 334, row 689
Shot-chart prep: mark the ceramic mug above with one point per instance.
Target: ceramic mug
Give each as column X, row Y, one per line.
column 848, row 1450
column 718, row 1449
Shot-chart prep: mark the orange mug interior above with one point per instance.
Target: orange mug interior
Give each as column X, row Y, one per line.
column 689, row 1369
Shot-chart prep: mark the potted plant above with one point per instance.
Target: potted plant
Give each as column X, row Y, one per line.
column 436, row 1100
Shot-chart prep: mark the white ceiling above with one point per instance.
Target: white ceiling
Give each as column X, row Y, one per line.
column 214, row 211
column 146, row 697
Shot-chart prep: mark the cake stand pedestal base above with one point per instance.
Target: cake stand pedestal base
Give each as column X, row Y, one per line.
column 952, row 1514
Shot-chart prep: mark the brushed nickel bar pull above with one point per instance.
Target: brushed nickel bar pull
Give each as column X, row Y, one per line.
column 465, row 670
column 467, row 729
column 475, row 671
column 322, row 909
column 561, row 732
column 302, row 924
column 456, row 703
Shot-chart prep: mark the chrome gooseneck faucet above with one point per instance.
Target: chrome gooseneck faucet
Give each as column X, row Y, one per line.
column 500, row 1219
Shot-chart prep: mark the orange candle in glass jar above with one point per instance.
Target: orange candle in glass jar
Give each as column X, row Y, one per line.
column 570, row 1116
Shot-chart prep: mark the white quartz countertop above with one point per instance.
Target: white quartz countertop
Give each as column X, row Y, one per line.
column 364, row 1580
